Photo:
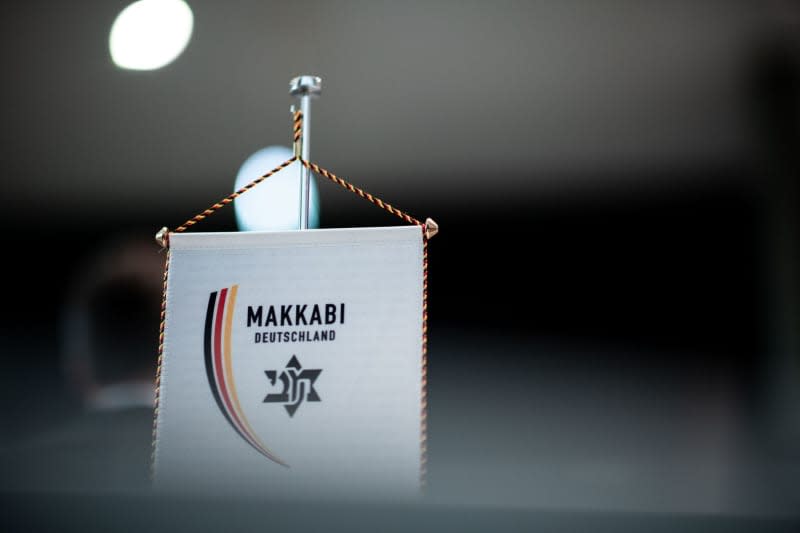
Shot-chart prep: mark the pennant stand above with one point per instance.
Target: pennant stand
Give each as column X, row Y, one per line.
column 305, row 88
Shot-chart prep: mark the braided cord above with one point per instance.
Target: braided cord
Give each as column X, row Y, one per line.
column 160, row 361
column 360, row 192
column 231, row 197
column 423, row 473
column 317, row 170
column 297, row 128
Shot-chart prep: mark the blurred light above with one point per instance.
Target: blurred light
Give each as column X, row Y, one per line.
column 273, row 204
column 150, row 34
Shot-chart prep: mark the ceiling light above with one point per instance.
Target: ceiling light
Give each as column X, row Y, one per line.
column 150, row 34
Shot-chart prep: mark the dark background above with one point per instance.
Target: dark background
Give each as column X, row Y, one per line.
column 613, row 302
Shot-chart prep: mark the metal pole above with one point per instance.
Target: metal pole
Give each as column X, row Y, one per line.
column 305, row 87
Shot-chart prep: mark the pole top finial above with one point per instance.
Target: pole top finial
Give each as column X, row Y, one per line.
column 305, row 85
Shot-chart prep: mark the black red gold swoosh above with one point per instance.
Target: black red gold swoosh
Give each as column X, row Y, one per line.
column 217, row 348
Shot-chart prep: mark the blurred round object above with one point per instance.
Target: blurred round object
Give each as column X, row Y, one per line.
column 150, row 34
column 273, row 204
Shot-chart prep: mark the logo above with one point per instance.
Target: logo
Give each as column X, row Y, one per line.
column 219, row 369
column 298, row 386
